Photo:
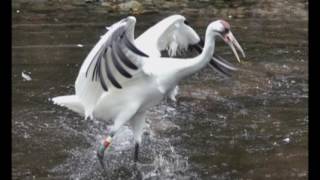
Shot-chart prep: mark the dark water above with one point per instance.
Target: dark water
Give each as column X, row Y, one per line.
column 251, row 126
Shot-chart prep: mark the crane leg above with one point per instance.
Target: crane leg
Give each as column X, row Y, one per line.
column 103, row 146
column 137, row 123
column 136, row 152
column 173, row 93
column 122, row 118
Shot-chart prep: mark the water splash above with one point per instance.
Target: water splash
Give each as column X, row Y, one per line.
column 158, row 158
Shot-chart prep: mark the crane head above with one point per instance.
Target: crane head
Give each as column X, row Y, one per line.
column 223, row 29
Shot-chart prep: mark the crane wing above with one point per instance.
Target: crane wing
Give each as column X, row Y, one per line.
column 111, row 63
column 171, row 34
column 174, row 35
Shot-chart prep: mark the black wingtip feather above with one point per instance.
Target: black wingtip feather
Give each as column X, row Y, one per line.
column 119, row 67
column 124, row 58
column 117, row 41
column 102, row 81
column 95, row 73
column 220, row 69
column 201, row 43
column 224, row 62
column 132, row 47
column 110, row 76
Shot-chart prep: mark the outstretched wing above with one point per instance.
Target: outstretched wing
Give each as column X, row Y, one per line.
column 109, row 64
column 172, row 34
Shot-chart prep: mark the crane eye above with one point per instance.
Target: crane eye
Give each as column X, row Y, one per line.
column 186, row 22
column 226, row 30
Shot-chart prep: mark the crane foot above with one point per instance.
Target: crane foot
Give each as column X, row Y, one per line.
column 100, row 152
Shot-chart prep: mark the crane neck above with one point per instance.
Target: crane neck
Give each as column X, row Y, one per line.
column 194, row 65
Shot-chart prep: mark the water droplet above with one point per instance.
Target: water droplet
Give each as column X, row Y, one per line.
column 268, row 175
column 275, row 143
column 245, row 134
column 287, row 140
column 25, row 76
column 234, row 171
column 221, row 116
column 303, row 174
column 25, row 135
column 279, row 84
column 224, row 164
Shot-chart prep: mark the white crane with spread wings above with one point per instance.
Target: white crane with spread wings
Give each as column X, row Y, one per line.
column 122, row 78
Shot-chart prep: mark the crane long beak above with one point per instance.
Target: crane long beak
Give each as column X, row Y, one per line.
column 233, row 43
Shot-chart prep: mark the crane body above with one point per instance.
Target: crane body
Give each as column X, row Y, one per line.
column 118, row 82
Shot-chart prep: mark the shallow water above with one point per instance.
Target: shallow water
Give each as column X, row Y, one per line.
column 251, row 126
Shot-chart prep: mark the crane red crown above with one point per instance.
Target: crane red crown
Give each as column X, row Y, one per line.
column 225, row 24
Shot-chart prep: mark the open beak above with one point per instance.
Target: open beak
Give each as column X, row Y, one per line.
column 233, row 43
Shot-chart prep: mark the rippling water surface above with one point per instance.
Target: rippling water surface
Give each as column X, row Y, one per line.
column 251, row 126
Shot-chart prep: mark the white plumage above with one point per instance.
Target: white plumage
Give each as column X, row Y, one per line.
column 171, row 30
column 119, row 82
